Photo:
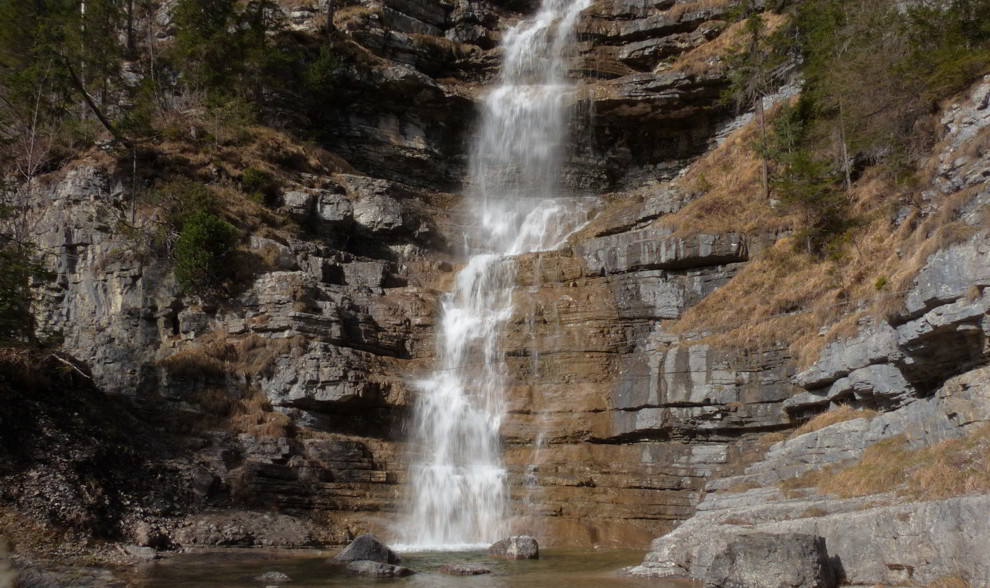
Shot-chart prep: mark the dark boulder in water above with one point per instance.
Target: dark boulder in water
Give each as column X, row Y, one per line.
column 460, row 569
column 377, row 569
column 366, row 547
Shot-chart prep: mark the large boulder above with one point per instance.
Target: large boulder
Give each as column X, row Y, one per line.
column 334, row 210
column 366, row 548
column 766, row 560
column 377, row 569
column 517, row 547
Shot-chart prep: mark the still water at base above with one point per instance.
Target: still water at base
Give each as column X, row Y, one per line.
column 555, row 569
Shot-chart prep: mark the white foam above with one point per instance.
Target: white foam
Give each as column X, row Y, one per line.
column 458, row 496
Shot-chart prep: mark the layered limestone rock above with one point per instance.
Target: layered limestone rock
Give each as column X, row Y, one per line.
column 407, row 116
column 616, row 423
column 317, row 332
column 922, row 368
column 918, row 543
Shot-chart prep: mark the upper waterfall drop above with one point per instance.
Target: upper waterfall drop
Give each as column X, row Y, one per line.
column 458, row 494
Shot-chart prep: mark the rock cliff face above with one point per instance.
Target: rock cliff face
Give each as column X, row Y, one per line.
column 337, row 315
column 620, row 425
column 922, row 368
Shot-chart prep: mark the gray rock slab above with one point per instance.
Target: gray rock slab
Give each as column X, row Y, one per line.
column 655, row 249
column 911, row 543
column 516, row 547
column 377, row 569
column 875, row 343
column 948, row 274
column 465, row 570
column 767, row 560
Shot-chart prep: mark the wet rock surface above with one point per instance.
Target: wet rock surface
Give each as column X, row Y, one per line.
column 367, row 548
column 465, row 570
column 376, row 569
column 273, row 578
column 517, row 547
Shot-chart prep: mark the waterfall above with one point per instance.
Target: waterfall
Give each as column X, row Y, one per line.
column 457, row 485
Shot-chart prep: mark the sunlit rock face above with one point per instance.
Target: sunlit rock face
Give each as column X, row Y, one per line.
column 335, row 324
column 610, row 423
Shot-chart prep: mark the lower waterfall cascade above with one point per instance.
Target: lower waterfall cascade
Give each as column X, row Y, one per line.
column 457, row 487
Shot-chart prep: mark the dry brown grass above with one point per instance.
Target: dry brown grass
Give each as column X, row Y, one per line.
column 729, row 180
column 764, row 304
column 254, row 415
column 449, row 49
column 257, row 355
column 215, row 356
column 207, row 360
column 708, row 57
column 228, row 365
column 826, row 419
column 958, row 467
column 951, row 582
column 741, row 487
column 353, row 16
column 813, row 512
column 784, row 295
column 978, row 146
column 771, row 438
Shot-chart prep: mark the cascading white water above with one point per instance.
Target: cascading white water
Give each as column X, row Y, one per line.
column 457, row 484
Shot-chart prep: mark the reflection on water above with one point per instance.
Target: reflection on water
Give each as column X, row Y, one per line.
column 555, row 569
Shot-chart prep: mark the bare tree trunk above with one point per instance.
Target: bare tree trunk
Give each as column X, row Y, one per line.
column 130, row 29
column 331, row 11
column 845, row 147
column 77, row 82
column 763, row 130
column 133, row 183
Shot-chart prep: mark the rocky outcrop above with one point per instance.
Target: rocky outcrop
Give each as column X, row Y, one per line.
column 921, row 370
column 335, row 301
column 656, row 249
column 459, row 569
column 799, row 561
column 367, row 547
column 517, row 547
column 376, row 569
column 958, row 409
column 246, row 529
column 919, row 543
column 941, row 332
column 907, row 543
column 400, row 122
column 881, row 367
column 78, row 460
